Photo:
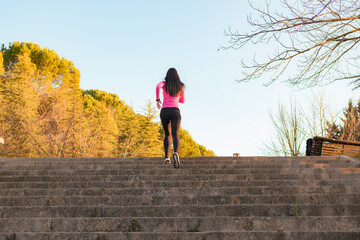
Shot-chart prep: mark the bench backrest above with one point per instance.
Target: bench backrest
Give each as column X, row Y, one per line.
column 322, row 146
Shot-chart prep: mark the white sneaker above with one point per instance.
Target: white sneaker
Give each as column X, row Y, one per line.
column 176, row 160
column 167, row 161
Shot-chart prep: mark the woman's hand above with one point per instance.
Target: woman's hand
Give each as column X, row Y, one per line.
column 158, row 103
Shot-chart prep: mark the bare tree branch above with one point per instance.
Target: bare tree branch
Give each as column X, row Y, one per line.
column 316, row 36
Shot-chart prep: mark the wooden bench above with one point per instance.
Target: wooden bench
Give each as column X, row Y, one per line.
column 322, row 146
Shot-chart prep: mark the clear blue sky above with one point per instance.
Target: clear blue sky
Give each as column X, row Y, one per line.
column 126, row 46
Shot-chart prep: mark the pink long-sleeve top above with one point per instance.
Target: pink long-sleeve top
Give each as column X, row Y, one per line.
column 169, row 101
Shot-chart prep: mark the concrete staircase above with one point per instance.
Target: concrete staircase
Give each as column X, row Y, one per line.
column 206, row 198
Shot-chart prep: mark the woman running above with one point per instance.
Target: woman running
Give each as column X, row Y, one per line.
column 173, row 94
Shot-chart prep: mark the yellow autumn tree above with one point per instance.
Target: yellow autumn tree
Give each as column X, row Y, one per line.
column 98, row 129
column 19, row 105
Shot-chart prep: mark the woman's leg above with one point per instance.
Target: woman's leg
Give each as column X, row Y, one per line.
column 167, row 140
column 166, row 125
column 175, row 129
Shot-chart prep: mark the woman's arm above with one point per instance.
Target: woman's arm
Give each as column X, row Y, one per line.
column 158, row 87
column 182, row 97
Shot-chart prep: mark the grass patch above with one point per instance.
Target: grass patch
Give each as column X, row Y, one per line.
column 194, row 228
column 133, row 226
column 177, row 237
column 298, row 212
column 357, row 156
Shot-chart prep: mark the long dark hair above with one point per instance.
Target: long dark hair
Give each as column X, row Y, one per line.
column 173, row 84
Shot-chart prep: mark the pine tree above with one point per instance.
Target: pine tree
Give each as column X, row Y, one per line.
column 56, row 84
column 349, row 127
column 99, row 131
column 19, row 105
column 126, row 120
column 150, row 143
column 2, row 71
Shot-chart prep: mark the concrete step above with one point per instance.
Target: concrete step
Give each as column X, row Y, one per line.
column 169, row 170
column 131, row 200
column 185, row 165
column 328, row 235
column 185, row 162
column 231, row 160
column 153, row 161
column 241, row 210
column 179, row 183
column 164, row 191
column 174, row 177
column 157, row 159
column 181, row 224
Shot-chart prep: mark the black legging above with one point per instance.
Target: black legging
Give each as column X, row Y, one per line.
column 167, row 116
